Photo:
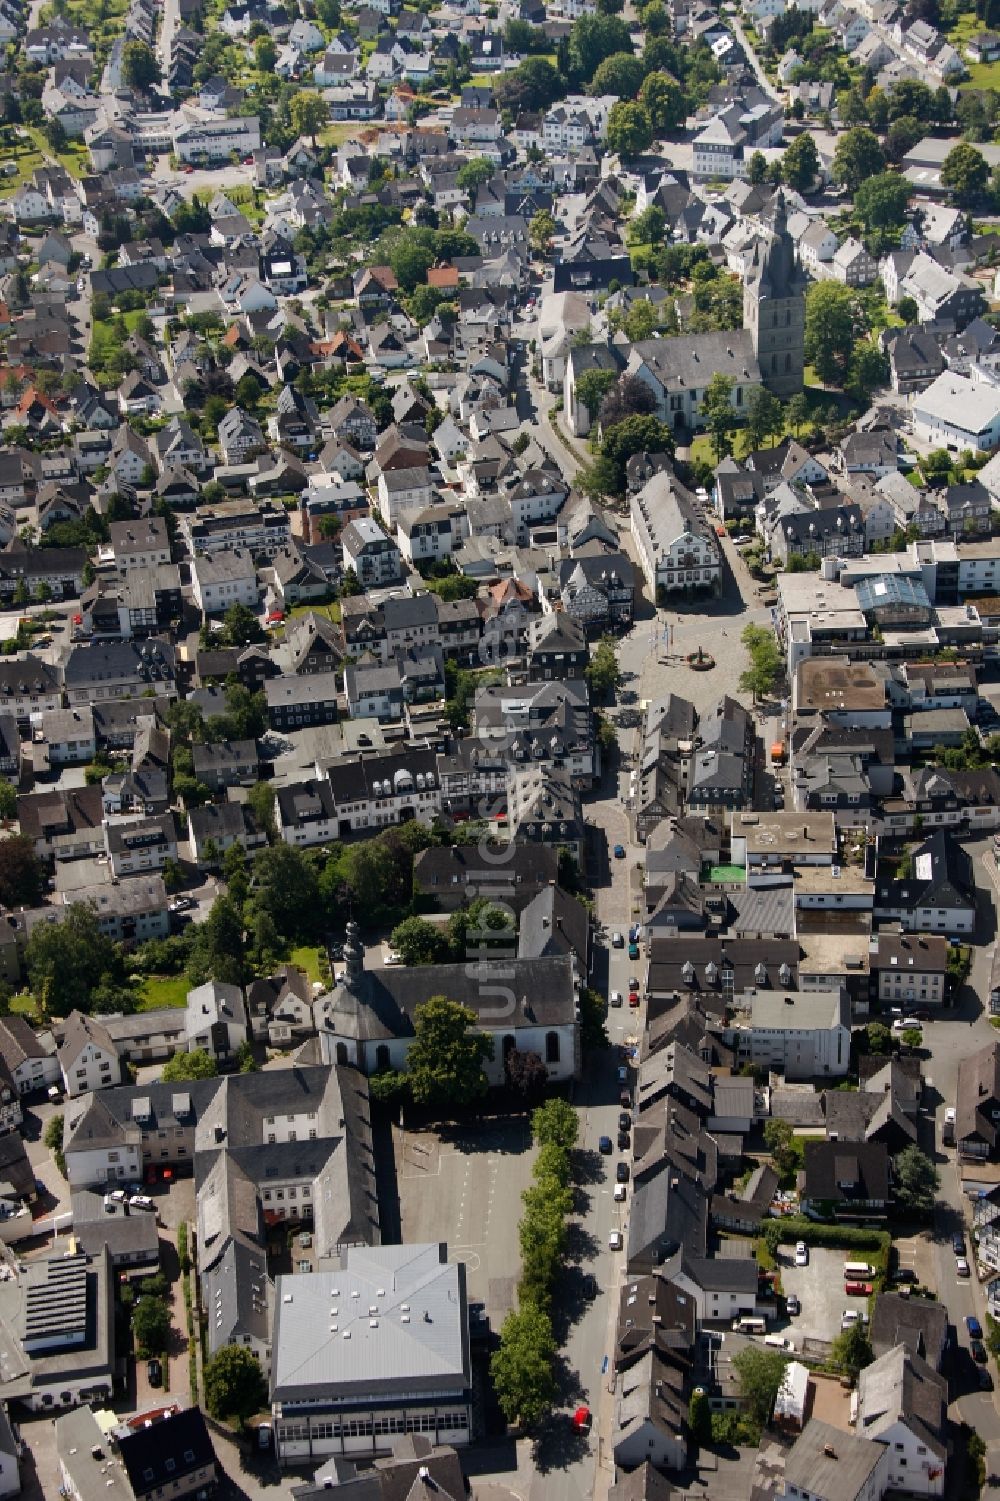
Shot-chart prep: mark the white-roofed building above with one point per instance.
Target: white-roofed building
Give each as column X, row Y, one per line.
column 374, row 1350
column 956, row 412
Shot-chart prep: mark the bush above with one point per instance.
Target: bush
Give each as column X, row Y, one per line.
column 182, row 1248
column 839, row 1237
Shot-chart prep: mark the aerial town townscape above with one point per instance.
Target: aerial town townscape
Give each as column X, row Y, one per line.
column 499, row 740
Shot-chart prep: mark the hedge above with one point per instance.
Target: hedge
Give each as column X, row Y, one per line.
column 845, row 1237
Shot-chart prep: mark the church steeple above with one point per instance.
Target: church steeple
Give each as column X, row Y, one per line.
column 353, row 956
column 774, row 304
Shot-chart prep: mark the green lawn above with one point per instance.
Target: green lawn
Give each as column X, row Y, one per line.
column 339, row 131
column 160, row 991
column 22, row 1005
column 28, row 161
column 74, row 157
column 332, row 611
column 307, row 958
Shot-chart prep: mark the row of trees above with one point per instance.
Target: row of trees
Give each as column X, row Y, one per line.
column 523, row 1367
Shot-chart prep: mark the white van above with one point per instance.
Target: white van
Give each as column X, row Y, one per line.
column 778, row 1342
column 857, row 1271
column 748, row 1325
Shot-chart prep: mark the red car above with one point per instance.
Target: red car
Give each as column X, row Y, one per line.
column 633, row 998
column 859, row 1289
column 581, row 1419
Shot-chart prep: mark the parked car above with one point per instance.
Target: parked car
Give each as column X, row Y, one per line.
column 624, row 1120
column 633, row 983
column 633, row 998
column 958, row 1244
column 974, row 1327
column 633, row 951
column 624, row 1141
column 793, row 1306
column 985, row 1380
column 619, row 852
column 904, row 1274
column 978, row 1351
column 801, row 1253
column 392, row 957
column 605, row 1147
column 615, row 998
column 615, row 1241
column 154, row 1373
column 962, row 1267
column 620, row 1192
column 617, row 941
column 622, row 1172
column 141, row 1201
column 858, row 1289
column 852, row 1316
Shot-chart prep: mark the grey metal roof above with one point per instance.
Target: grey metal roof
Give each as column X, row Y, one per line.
column 391, row 1318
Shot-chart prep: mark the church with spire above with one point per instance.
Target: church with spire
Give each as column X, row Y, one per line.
column 774, row 306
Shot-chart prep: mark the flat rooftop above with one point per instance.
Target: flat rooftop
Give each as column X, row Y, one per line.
column 786, row 832
column 850, row 878
column 824, row 684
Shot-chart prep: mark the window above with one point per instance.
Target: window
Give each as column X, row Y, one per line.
column 552, row 1047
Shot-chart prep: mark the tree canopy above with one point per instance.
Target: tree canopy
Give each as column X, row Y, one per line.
column 444, row 1065
column 198, row 1064
column 858, row 156
column 630, row 131
column 964, row 172
column 235, row 1385
column 915, row 1180
column 829, row 330
column 760, row 1374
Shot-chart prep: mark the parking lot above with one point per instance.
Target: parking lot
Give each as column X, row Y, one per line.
column 464, row 1186
column 820, row 1289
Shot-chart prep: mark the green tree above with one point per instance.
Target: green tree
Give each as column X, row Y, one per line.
column 592, row 387
column 602, row 672
column 912, row 1038
column 260, row 801
column 765, row 662
column 474, row 173
column 523, row 1368
column 309, row 113
column 286, row 887
column 418, row 941
column 140, row 70
column 879, row 1038
column 908, row 310
column 718, row 415
column 240, row 626
column 198, row 1064
column 699, row 1417
column 760, row 1372
column 151, row 1325
column 556, row 1124
column 851, row 1351
column 265, row 54
column 235, row 1385
column 620, row 74
column 541, row 228
column 22, row 874
column 53, row 1139
column 778, row 1138
column 765, row 417
column 757, row 168
column 639, row 434
column 829, row 330
column 869, row 369
column 630, row 131
column 915, row 1180
column 881, row 201
column 410, row 260
column 217, row 949
column 444, row 1065
column 800, row 163
column 647, row 228
column 70, row 962
column 964, row 172
column 798, row 411
column 858, row 156
column 592, row 39
column 664, row 100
